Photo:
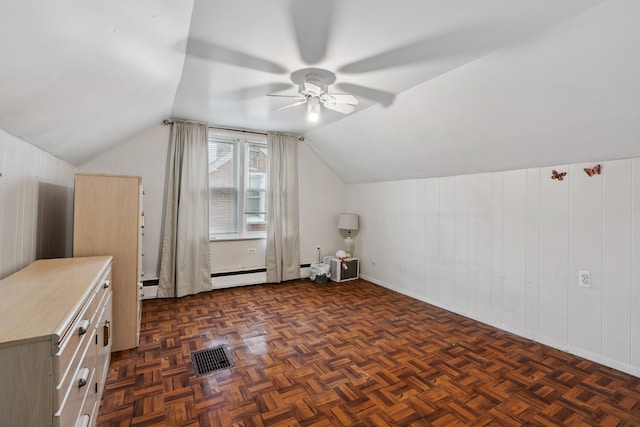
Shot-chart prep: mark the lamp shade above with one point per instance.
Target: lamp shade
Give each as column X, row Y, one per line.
column 348, row 221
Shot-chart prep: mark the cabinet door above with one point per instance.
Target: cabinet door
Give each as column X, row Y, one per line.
column 107, row 221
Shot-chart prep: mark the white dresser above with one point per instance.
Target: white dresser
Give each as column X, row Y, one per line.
column 55, row 346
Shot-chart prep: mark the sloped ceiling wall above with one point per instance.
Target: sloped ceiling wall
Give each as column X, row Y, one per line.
column 79, row 77
column 463, row 86
column 569, row 94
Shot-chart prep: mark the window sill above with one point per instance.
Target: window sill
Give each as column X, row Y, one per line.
column 235, row 239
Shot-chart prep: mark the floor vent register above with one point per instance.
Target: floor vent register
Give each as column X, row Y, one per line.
column 210, row 360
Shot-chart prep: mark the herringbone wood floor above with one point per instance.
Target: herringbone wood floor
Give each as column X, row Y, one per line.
column 350, row 354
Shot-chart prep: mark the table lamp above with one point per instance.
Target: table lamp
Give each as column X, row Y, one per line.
column 349, row 222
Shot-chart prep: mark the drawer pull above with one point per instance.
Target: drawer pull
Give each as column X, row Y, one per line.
column 106, row 284
column 83, row 327
column 83, row 421
column 106, row 332
column 83, row 377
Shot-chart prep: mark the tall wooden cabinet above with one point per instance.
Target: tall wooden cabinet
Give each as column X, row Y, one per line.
column 108, row 220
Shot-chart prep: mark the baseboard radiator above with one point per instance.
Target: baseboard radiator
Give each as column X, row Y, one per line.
column 226, row 279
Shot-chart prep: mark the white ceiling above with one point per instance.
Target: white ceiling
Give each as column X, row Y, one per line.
column 78, row 77
column 446, row 87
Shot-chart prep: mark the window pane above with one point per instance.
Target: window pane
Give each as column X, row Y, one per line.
column 223, row 203
column 255, row 205
column 222, row 164
column 223, row 188
column 237, row 185
column 256, row 224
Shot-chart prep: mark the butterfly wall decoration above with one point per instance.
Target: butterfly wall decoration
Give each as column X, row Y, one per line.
column 593, row 171
column 557, row 175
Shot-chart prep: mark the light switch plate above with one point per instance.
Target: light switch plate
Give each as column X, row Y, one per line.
column 584, row 278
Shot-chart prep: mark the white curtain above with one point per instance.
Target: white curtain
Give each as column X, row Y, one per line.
column 185, row 266
column 283, row 231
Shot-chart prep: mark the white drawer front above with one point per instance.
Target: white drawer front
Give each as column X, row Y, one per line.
column 81, row 385
column 78, row 350
column 78, row 398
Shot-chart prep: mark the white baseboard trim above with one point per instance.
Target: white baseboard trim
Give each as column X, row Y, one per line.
column 150, row 292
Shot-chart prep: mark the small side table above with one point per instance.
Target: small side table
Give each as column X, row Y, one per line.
column 338, row 273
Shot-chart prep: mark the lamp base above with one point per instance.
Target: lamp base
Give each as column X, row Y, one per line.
column 349, row 246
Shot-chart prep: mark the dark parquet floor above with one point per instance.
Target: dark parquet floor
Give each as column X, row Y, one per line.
column 350, row 354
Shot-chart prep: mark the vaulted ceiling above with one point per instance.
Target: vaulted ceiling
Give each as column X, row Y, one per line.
column 445, row 87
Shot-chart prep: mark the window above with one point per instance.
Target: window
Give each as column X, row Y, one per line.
column 237, row 185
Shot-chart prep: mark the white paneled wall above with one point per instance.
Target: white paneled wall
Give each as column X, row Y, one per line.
column 22, row 166
column 616, row 260
column 532, row 249
column 553, row 261
column 506, row 247
column 585, row 253
column 635, row 262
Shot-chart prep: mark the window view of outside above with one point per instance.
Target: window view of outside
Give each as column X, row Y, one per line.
column 255, row 207
column 237, row 187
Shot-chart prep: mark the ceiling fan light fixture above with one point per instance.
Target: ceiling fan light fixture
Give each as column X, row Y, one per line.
column 313, row 110
column 313, row 89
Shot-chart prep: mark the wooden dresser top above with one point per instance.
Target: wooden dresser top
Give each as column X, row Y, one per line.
column 41, row 300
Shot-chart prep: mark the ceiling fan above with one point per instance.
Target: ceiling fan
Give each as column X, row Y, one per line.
column 312, row 22
column 313, row 90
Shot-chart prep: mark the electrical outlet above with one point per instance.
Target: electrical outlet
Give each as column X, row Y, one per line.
column 584, row 279
column 317, row 249
column 252, row 250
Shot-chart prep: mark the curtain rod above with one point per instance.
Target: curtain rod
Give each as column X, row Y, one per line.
column 170, row 122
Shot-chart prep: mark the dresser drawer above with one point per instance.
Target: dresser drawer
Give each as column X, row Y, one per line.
column 75, row 344
column 79, row 400
column 80, row 383
column 89, row 413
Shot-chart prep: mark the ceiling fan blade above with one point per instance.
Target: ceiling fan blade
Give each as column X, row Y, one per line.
column 476, row 41
column 381, row 96
column 247, row 93
column 287, row 96
column 312, row 21
column 341, row 108
column 295, row 104
column 214, row 52
column 343, row 98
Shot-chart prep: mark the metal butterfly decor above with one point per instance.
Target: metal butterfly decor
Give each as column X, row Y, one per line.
column 593, row 171
column 557, row 175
